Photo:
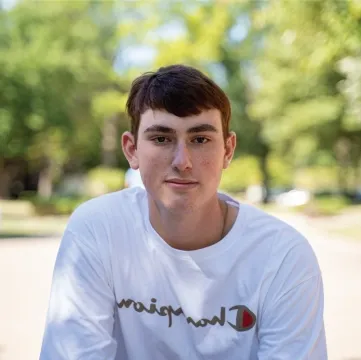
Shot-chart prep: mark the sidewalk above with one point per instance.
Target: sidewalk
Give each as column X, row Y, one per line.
column 340, row 262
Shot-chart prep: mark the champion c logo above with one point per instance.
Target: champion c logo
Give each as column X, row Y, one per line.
column 245, row 319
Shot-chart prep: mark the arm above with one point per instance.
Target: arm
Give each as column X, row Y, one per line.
column 80, row 317
column 291, row 325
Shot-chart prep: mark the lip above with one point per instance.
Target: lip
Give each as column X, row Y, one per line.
column 181, row 183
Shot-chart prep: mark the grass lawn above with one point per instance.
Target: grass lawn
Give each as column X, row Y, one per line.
column 32, row 226
column 18, row 220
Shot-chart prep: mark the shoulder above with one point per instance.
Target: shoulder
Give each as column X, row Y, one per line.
column 103, row 212
column 283, row 256
column 288, row 242
column 258, row 224
column 278, row 232
column 109, row 203
column 289, row 257
column 277, row 244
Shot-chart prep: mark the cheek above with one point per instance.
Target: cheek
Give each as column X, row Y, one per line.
column 206, row 162
column 211, row 166
column 150, row 155
column 210, row 169
column 211, row 161
column 158, row 160
column 152, row 163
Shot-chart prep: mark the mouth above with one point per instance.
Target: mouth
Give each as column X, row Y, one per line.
column 181, row 183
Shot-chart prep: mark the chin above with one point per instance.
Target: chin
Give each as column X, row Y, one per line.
column 181, row 208
column 181, row 204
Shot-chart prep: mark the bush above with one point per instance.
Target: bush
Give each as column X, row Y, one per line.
column 316, row 177
column 281, row 174
column 56, row 205
column 241, row 173
column 102, row 180
column 326, row 205
column 245, row 171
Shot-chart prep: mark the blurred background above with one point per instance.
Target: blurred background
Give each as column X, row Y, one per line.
column 292, row 70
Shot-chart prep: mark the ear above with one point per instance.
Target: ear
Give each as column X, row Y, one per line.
column 230, row 146
column 130, row 149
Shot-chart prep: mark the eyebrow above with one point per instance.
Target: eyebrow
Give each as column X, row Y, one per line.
column 192, row 130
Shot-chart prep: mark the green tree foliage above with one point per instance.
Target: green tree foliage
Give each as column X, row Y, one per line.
column 60, row 96
column 303, row 100
column 292, row 70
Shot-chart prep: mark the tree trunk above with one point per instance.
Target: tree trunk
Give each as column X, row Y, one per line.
column 342, row 151
column 45, row 182
column 265, row 173
column 110, row 141
column 341, row 178
column 5, row 180
column 356, row 166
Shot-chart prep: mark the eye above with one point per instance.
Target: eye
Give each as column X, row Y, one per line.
column 200, row 140
column 160, row 139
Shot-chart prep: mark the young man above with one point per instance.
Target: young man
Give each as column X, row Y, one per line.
column 178, row 270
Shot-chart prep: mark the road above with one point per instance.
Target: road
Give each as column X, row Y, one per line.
column 26, row 270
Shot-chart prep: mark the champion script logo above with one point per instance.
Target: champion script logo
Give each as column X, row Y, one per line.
column 245, row 318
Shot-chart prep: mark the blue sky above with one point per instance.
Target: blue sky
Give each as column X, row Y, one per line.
column 7, row 4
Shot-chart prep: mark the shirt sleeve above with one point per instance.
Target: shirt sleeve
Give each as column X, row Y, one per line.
column 80, row 317
column 292, row 325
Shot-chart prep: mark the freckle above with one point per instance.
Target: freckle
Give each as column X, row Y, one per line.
column 205, row 162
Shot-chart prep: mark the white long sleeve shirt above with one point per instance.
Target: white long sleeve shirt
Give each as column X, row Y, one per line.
column 121, row 292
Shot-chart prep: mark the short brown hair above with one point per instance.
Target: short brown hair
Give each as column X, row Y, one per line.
column 178, row 89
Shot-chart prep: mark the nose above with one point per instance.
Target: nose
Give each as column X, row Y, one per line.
column 182, row 159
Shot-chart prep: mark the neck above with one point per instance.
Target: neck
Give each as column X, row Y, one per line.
column 190, row 230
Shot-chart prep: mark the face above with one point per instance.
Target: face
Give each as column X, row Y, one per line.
column 180, row 159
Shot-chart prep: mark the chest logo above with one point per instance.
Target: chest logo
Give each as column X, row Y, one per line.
column 245, row 319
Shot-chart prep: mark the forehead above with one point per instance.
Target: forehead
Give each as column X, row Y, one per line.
column 157, row 117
